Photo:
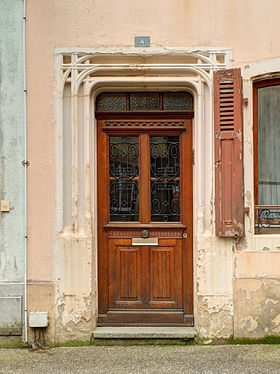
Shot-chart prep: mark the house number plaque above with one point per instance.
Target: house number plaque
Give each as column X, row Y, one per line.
column 142, row 41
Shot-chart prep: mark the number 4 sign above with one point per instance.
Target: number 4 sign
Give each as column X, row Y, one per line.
column 142, row 41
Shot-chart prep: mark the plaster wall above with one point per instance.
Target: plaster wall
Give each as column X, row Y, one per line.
column 67, row 258
column 12, row 141
column 256, row 262
column 249, row 28
column 12, row 224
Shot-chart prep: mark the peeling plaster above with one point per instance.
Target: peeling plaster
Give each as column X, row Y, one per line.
column 250, row 324
column 257, row 307
column 75, row 307
column 215, row 317
column 276, row 322
column 241, row 244
column 74, row 320
column 214, row 267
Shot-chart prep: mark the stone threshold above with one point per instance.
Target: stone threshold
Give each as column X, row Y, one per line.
column 132, row 332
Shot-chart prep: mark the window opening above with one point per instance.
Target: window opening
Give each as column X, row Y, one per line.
column 267, row 158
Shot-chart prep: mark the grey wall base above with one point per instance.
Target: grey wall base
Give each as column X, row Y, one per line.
column 11, row 309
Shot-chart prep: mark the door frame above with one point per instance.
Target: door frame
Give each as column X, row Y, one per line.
column 188, row 284
column 80, row 76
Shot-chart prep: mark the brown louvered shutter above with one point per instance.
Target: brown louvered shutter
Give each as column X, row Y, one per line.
column 229, row 201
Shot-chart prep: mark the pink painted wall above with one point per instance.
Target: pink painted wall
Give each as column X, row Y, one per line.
column 250, row 28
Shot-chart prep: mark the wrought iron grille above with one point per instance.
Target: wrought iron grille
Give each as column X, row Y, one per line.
column 165, row 178
column 267, row 219
column 124, row 178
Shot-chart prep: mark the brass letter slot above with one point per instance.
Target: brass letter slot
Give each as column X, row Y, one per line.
column 141, row 241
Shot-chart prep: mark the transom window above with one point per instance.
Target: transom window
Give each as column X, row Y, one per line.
column 144, row 101
column 267, row 155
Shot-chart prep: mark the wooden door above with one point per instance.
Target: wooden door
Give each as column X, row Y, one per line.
column 145, row 271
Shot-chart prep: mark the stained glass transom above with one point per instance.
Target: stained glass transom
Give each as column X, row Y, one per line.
column 111, row 101
column 144, row 101
column 176, row 101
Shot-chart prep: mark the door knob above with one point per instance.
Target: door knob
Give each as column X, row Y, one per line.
column 145, row 234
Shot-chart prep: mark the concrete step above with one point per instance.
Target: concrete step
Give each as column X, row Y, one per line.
column 133, row 332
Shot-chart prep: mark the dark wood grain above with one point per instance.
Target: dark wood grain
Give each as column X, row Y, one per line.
column 103, row 217
column 143, row 115
column 187, row 217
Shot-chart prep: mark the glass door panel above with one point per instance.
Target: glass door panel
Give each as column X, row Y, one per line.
column 124, row 178
column 164, row 164
column 165, row 178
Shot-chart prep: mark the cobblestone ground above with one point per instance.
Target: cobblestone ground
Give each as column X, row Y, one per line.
column 253, row 359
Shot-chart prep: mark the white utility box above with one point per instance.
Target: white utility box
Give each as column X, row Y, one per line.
column 38, row 319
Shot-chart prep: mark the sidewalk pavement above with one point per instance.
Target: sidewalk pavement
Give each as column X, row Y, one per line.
column 227, row 359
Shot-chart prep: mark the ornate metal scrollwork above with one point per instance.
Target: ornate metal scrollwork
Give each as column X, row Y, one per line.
column 268, row 217
column 165, row 178
column 124, row 175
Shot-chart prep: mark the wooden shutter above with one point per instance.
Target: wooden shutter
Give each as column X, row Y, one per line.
column 229, row 204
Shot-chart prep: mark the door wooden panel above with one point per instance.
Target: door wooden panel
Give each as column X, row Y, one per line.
column 166, row 274
column 162, row 274
column 128, row 271
column 125, row 265
column 145, row 284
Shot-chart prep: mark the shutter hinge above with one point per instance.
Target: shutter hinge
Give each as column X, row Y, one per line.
column 193, row 156
column 245, row 101
column 25, row 163
column 217, row 163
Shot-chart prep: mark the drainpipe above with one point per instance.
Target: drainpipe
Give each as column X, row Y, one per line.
column 25, row 164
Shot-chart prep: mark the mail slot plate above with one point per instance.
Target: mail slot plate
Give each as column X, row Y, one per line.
column 141, row 241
